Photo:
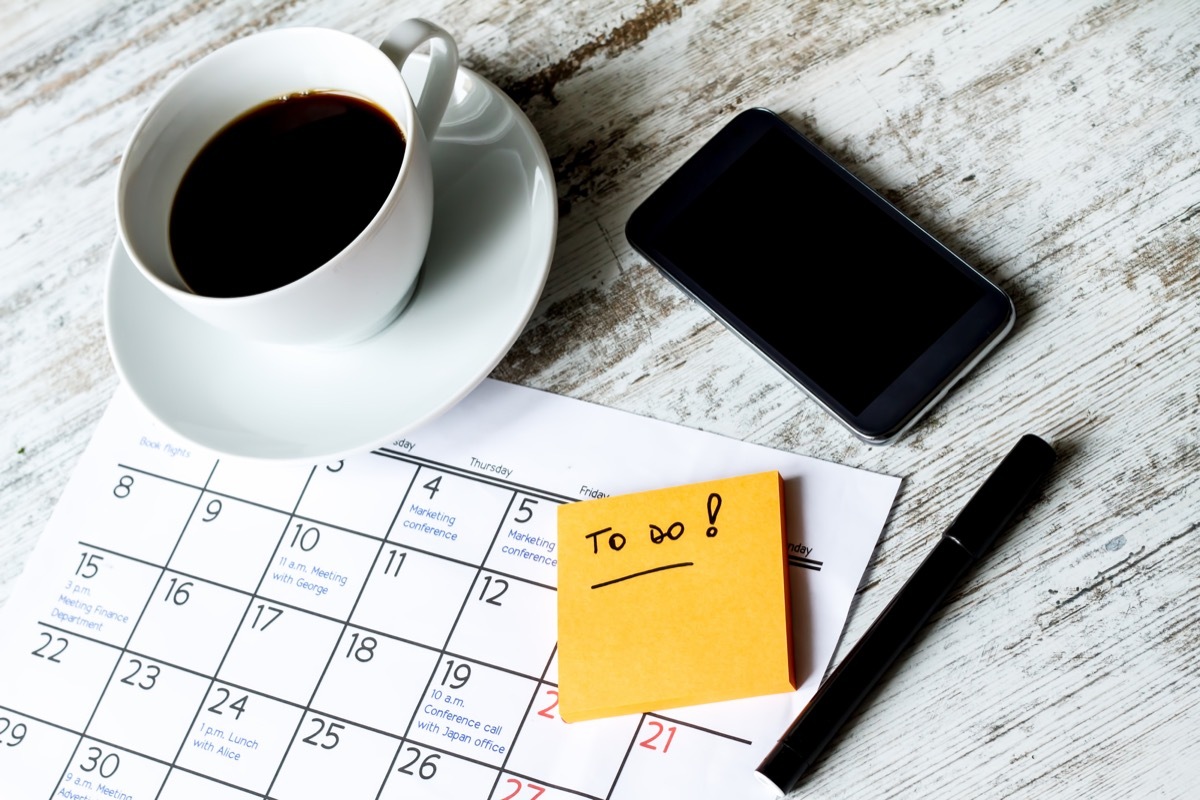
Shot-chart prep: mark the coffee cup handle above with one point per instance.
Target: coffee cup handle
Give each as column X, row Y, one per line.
column 443, row 67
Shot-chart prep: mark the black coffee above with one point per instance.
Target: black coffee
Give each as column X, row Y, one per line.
column 281, row 190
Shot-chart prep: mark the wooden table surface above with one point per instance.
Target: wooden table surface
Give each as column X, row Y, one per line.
column 1056, row 146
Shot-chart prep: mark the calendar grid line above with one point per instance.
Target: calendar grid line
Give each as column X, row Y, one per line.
column 694, row 726
column 457, row 618
column 345, row 624
column 326, row 524
column 203, row 775
column 460, row 562
column 291, row 606
column 466, row 599
column 533, row 695
column 480, row 569
column 166, row 478
column 499, row 483
column 204, row 488
column 54, row 627
column 260, row 692
column 525, row 716
column 112, row 552
column 416, row 461
column 637, row 729
column 396, row 753
column 439, row 749
column 389, row 734
column 133, row 629
column 171, row 765
column 436, row 748
column 257, row 590
column 254, row 503
column 548, row 785
column 188, row 521
column 488, row 664
column 434, row 554
column 124, row 748
column 419, row 461
column 20, row 713
column 229, row 646
column 512, row 577
column 625, row 759
column 384, row 634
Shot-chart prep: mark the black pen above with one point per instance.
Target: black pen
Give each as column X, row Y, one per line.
column 968, row 537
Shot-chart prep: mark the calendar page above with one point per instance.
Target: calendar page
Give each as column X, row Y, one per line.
column 384, row 626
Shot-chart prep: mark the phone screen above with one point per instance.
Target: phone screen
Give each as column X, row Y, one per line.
column 821, row 274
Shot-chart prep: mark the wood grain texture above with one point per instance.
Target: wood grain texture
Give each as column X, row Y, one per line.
column 1056, row 146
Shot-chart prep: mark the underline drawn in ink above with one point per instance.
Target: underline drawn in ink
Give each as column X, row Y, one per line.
column 644, row 572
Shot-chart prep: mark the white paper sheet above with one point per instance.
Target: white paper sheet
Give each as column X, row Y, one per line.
column 380, row 627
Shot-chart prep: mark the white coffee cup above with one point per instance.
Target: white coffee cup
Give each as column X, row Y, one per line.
column 364, row 287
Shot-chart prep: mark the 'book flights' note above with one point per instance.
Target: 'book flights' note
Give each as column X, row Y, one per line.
column 673, row 597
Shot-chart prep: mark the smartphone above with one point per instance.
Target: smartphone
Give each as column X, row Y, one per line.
column 865, row 311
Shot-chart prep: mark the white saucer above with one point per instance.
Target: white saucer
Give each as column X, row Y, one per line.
column 495, row 219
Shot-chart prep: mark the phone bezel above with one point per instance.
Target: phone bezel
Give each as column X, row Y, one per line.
column 924, row 382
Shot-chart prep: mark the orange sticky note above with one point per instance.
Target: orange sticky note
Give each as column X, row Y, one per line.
column 673, row 597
